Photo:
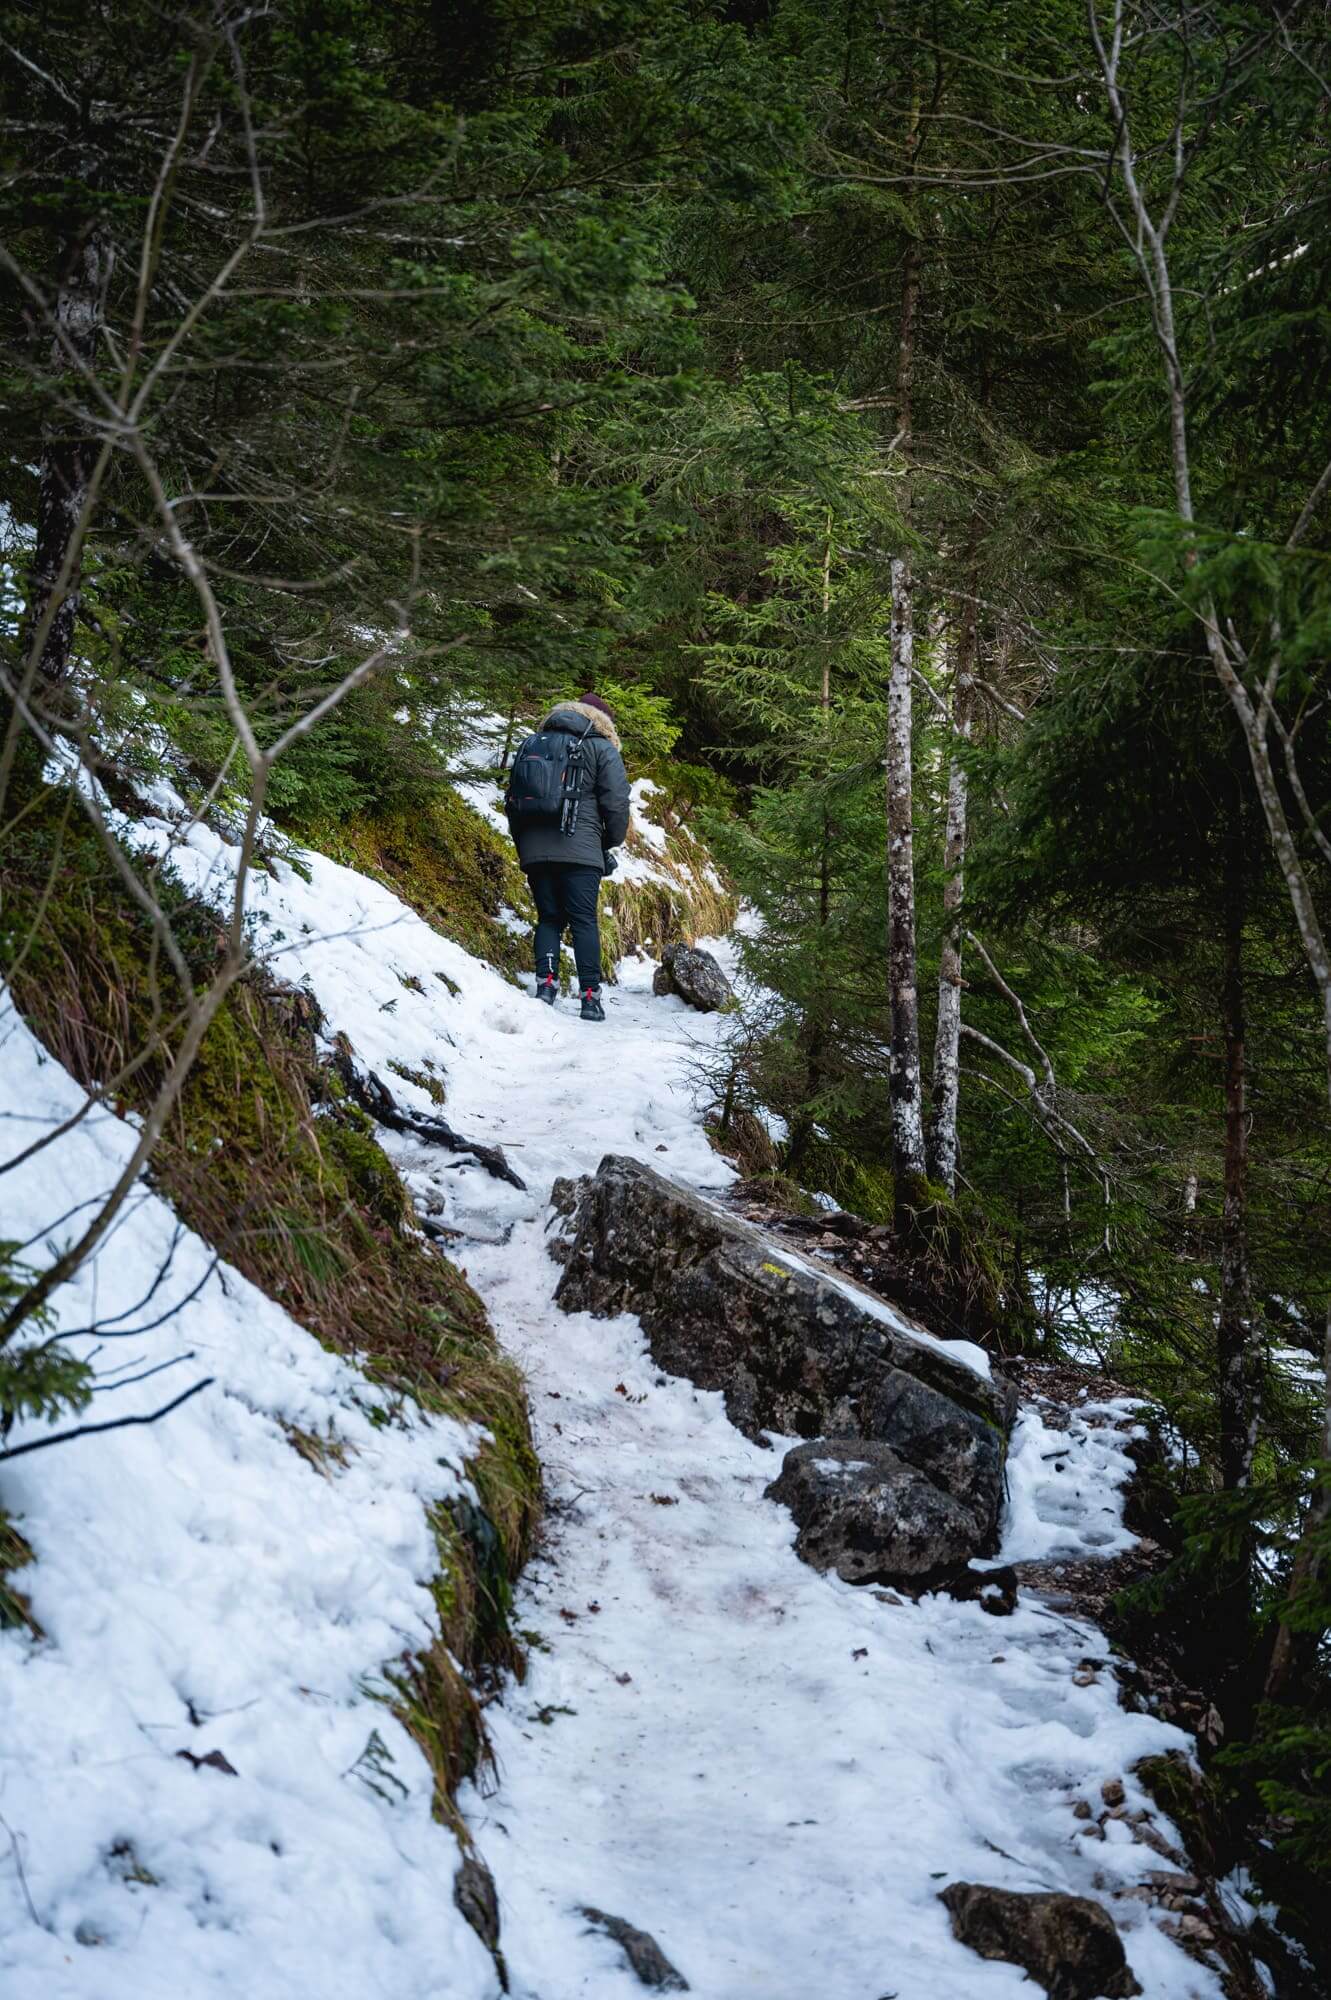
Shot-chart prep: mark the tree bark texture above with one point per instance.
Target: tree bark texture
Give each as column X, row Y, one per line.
column 947, row 1040
column 908, row 1160
column 1294, row 1652
column 904, row 1055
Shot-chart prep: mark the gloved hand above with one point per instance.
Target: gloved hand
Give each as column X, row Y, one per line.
column 610, row 858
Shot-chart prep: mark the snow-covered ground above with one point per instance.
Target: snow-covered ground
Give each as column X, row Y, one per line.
column 202, row 1589
column 772, row 1772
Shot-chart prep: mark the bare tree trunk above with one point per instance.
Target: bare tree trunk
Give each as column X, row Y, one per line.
column 67, row 458
column 1294, row 1651
column 904, row 1054
column 1239, row 1356
column 812, row 1037
column 947, row 1040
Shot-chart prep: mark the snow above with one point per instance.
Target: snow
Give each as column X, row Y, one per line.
column 771, row 1771
column 202, row 1588
column 641, row 793
column 1064, row 1486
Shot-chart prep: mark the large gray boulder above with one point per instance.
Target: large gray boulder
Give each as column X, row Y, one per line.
column 694, row 975
column 791, row 1351
column 865, row 1512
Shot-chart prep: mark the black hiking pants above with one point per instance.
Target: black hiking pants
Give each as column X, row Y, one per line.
column 565, row 893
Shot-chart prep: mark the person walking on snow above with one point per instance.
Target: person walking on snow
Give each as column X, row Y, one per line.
column 568, row 807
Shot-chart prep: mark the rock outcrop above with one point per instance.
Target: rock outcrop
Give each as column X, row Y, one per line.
column 1066, row 1943
column 694, row 975
column 795, row 1353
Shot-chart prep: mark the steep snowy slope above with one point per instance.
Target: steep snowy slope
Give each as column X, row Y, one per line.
column 201, row 1589
column 770, row 1771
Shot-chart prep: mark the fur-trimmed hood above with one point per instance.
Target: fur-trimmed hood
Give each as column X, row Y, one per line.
column 559, row 714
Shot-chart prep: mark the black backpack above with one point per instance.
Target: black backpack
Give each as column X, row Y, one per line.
column 546, row 778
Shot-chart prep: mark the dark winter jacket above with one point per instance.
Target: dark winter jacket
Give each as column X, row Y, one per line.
column 603, row 809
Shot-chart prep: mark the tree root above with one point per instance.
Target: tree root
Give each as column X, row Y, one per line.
column 374, row 1096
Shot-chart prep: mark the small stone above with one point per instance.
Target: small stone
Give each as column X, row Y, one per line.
column 1171, row 1880
column 1112, row 1792
column 1189, row 1930
column 474, row 1894
column 643, row 1953
column 214, row 1761
column 1082, row 1809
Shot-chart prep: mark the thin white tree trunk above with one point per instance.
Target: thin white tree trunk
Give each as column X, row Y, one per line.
column 947, row 1040
column 904, row 1056
column 904, row 1079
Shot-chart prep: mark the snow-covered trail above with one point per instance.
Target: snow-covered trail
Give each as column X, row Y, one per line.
column 771, row 1771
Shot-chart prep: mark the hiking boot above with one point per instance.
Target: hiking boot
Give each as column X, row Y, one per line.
column 548, row 990
column 592, row 1010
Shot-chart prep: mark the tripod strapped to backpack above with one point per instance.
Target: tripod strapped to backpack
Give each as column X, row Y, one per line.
column 571, row 797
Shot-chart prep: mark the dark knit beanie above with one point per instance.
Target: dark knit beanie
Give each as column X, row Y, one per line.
column 594, row 701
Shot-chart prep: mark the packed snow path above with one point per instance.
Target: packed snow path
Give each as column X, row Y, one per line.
column 771, row 1772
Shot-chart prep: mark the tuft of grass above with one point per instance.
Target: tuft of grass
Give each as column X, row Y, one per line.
column 743, row 1138
column 424, row 1079
column 431, row 1698
column 322, row 1450
column 15, row 1553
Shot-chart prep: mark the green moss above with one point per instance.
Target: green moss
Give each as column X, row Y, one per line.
column 371, row 1176
column 1183, row 1795
column 424, row 1079
column 855, row 1184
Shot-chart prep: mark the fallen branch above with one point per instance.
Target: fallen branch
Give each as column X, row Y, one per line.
column 116, row 1424
column 373, row 1095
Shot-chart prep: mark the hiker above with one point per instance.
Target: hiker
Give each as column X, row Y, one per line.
column 568, row 806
